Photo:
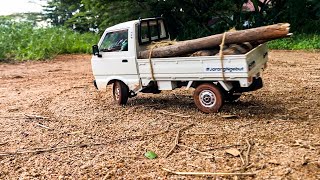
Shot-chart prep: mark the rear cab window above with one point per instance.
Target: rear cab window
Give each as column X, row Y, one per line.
column 152, row 30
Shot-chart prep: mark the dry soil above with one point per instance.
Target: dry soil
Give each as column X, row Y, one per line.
column 281, row 122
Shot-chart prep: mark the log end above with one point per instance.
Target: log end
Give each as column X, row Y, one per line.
column 284, row 24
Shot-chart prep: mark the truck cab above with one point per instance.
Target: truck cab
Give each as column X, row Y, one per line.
column 115, row 62
column 118, row 50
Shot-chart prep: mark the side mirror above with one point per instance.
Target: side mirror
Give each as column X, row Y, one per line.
column 95, row 51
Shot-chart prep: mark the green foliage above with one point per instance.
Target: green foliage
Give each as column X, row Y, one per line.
column 104, row 14
column 59, row 11
column 187, row 19
column 22, row 41
column 303, row 15
column 297, row 42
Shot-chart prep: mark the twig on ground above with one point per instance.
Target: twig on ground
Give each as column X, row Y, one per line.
column 173, row 122
column 46, row 149
column 248, row 152
column 173, row 114
column 75, row 132
column 242, row 160
column 200, row 133
column 4, row 143
column 55, row 145
column 194, row 166
column 78, row 87
column 35, row 116
column 40, row 150
column 207, row 173
column 193, row 149
column 222, row 147
column 141, row 136
column 43, row 126
column 176, row 140
column 244, row 125
column 242, row 169
column 134, row 157
column 245, row 162
column 12, row 117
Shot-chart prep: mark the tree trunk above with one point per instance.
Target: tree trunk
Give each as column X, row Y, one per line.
column 264, row 33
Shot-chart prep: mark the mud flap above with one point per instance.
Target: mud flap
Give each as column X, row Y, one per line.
column 255, row 85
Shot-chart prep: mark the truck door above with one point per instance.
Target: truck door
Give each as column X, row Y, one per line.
column 117, row 58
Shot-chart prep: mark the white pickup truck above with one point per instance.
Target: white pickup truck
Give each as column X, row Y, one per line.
column 115, row 61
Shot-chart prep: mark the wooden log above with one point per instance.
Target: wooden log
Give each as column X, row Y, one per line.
column 239, row 48
column 264, row 33
column 206, row 52
column 234, row 49
column 247, row 45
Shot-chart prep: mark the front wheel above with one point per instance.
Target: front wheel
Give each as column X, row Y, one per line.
column 120, row 92
column 208, row 98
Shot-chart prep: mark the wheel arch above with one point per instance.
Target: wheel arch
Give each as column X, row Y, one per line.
column 113, row 79
column 195, row 84
column 102, row 82
column 227, row 86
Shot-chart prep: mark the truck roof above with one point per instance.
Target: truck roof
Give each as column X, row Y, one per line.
column 122, row 25
column 126, row 24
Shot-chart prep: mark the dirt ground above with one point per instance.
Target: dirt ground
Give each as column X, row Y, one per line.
column 85, row 135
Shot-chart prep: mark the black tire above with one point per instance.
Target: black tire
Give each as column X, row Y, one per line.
column 208, row 98
column 120, row 93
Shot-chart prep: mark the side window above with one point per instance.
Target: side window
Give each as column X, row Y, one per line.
column 115, row 41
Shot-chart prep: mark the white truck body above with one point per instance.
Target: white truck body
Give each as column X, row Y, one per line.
column 204, row 68
column 170, row 73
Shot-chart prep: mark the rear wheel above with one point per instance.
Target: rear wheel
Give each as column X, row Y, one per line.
column 120, row 92
column 208, row 98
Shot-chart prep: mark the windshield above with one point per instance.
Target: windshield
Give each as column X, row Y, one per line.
column 115, row 41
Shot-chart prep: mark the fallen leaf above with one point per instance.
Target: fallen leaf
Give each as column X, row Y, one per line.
column 150, row 155
column 233, row 151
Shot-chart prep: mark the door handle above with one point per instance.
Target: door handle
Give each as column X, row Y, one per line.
column 124, row 60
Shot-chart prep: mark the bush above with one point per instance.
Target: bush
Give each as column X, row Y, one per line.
column 21, row 41
column 297, row 42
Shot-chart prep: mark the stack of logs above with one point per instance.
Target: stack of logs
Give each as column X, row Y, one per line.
column 235, row 42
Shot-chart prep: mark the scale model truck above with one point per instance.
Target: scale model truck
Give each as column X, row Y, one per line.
column 116, row 62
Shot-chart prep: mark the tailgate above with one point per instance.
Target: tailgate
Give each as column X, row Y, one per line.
column 257, row 59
